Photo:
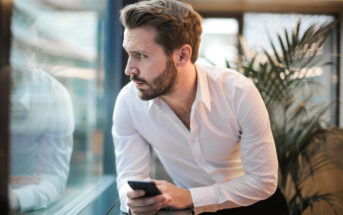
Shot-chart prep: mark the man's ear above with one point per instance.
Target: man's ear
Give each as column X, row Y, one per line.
column 183, row 55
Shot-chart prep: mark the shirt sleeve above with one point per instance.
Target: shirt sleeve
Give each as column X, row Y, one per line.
column 131, row 150
column 52, row 173
column 53, row 155
column 259, row 160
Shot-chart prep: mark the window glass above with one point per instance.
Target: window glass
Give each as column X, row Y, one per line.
column 218, row 41
column 56, row 101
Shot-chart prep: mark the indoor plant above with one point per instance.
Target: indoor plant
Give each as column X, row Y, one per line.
column 283, row 79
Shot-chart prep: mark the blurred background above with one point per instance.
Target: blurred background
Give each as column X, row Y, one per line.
column 62, row 67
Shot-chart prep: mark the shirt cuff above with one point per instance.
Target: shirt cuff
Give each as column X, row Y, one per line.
column 204, row 199
column 26, row 199
column 123, row 198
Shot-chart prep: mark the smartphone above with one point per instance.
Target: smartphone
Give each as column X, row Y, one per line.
column 148, row 186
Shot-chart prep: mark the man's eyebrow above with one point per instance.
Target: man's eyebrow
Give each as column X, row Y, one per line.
column 137, row 52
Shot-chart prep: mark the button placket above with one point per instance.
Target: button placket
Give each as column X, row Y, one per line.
column 198, row 153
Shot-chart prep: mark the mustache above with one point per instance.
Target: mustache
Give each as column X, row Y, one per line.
column 134, row 77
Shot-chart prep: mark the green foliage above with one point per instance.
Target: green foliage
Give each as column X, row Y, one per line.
column 283, row 79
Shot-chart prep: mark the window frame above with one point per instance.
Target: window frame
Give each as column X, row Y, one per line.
column 5, row 80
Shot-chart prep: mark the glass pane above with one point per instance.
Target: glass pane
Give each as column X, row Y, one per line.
column 57, row 92
column 261, row 28
column 218, row 41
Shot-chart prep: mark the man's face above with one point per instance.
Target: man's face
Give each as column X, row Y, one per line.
column 152, row 71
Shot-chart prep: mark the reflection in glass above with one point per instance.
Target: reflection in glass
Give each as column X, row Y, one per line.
column 57, row 101
column 42, row 125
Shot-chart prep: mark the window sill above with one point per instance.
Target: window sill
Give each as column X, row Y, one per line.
column 71, row 204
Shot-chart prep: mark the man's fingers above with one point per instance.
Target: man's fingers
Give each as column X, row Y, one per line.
column 166, row 200
column 146, row 209
column 156, row 181
column 149, row 204
column 163, row 187
column 138, row 202
column 133, row 194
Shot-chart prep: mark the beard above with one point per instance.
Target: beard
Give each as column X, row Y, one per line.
column 161, row 85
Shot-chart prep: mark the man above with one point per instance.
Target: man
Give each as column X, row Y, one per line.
column 209, row 126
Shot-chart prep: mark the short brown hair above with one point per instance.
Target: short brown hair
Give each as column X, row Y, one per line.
column 176, row 23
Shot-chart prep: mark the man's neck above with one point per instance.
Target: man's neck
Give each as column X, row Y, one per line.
column 183, row 96
column 184, row 92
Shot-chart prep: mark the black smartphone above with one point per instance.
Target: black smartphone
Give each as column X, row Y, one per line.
column 148, row 186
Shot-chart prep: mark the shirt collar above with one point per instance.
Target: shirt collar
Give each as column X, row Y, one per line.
column 152, row 102
column 202, row 92
column 20, row 102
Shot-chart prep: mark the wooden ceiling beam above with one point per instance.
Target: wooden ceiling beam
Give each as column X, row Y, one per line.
column 296, row 6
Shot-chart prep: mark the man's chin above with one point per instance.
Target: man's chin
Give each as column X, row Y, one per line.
column 144, row 96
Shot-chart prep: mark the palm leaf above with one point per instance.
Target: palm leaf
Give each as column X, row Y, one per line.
column 297, row 127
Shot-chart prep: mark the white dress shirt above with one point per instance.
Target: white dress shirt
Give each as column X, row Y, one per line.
column 42, row 125
column 227, row 159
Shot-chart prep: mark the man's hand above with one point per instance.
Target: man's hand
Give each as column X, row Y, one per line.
column 146, row 205
column 180, row 198
column 14, row 201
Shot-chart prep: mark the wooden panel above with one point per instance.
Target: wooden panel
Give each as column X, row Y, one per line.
column 330, row 180
column 303, row 6
column 4, row 138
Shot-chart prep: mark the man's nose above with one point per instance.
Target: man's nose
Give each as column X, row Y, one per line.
column 130, row 68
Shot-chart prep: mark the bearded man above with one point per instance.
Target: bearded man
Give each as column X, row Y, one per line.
column 208, row 126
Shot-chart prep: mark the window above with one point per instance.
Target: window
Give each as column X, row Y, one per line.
column 57, row 115
column 218, row 41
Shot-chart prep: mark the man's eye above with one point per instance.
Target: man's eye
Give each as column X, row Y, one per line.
column 140, row 55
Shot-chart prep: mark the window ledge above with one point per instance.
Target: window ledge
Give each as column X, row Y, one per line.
column 74, row 204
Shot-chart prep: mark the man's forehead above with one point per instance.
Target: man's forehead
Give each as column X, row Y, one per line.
column 142, row 37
